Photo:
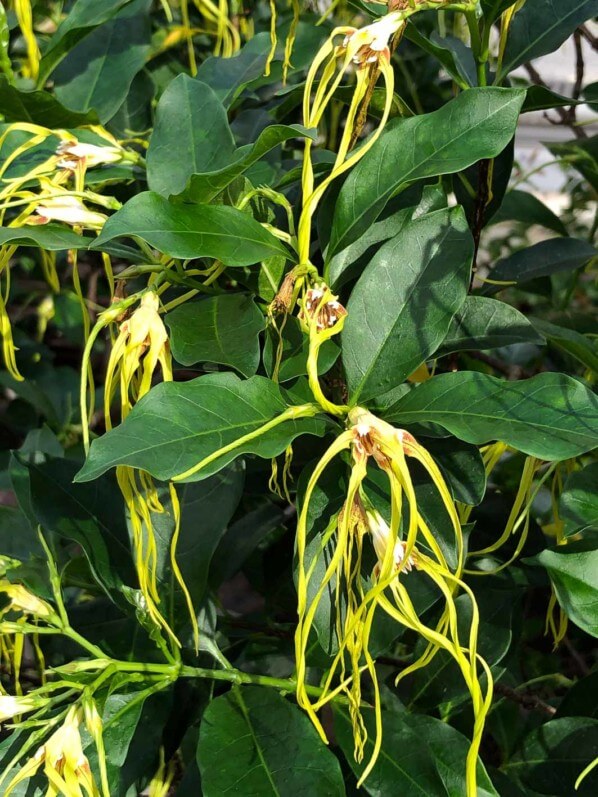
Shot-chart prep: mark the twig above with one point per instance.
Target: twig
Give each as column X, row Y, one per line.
column 479, row 213
column 567, row 116
column 525, row 699
column 589, row 37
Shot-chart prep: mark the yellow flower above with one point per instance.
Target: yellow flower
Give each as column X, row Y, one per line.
column 382, row 538
column 12, row 706
column 368, row 44
column 69, row 210
column 142, row 343
column 65, row 765
column 21, row 600
column 72, row 153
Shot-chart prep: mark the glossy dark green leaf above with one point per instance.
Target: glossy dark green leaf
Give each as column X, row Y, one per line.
column 135, row 114
column 452, row 53
column 420, row 756
column 229, row 76
column 120, row 716
column 528, row 209
column 220, row 329
column 493, row 8
column 573, row 570
column 550, row 416
column 83, row 18
column 554, row 755
column 582, row 347
column 254, row 742
column 177, row 425
column 541, row 26
column 541, row 98
column 97, row 73
column 90, row 514
column 582, row 699
column 541, row 260
column 354, row 258
column 47, row 236
column 581, row 154
column 206, row 183
column 403, row 304
column 477, row 124
column 462, row 467
column 483, row 324
column 240, row 540
column 189, row 231
column 578, row 505
column 206, row 509
column 39, row 108
column 295, row 350
column 490, row 178
column 18, row 537
column 190, row 118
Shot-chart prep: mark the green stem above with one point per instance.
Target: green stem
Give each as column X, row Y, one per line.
column 477, row 47
column 80, row 640
column 231, row 676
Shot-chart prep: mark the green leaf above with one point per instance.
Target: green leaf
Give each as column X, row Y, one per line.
column 18, row 538
column 240, row 540
column 295, row 350
column 135, row 114
column 91, row 515
column 578, row 504
column 220, row 329
column 403, row 304
column 582, row 154
column 353, row 259
column 553, row 756
column 420, row 756
column 493, row 8
column 462, row 467
column 483, row 324
column 541, row 98
column 254, row 742
column 477, row 124
column 39, row 108
column 206, row 509
column 45, row 236
column 177, row 425
column 550, row 416
column 189, row 231
column 229, row 76
column 540, row 27
column 190, row 118
column 206, row 183
column 97, row 73
column 120, row 716
column 574, row 343
column 573, row 570
column 526, row 208
column 451, row 52
column 541, row 260
column 84, row 17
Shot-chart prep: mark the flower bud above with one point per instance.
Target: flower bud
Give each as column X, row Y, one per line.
column 381, row 538
column 21, row 600
column 68, row 209
column 72, row 153
column 12, row 706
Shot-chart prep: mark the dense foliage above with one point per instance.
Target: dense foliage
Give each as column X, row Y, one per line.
column 299, row 423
